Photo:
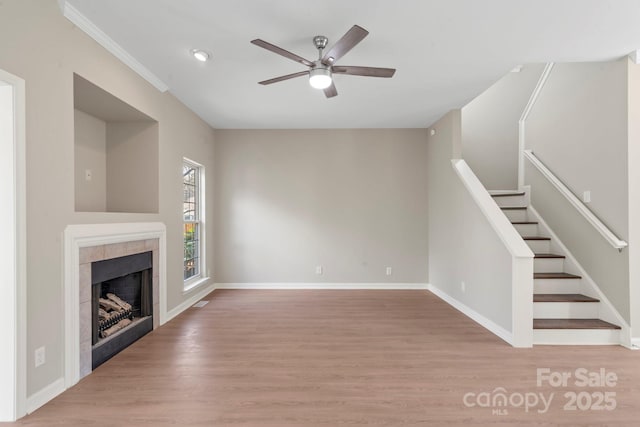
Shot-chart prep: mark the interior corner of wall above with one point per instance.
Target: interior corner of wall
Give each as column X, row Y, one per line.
column 456, row 133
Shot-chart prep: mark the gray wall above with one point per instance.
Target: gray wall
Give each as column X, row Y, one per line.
column 578, row 129
column 132, row 167
column 353, row 201
column 62, row 50
column 90, row 153
column 633, row 71
column 490, row 128
column 463, row 247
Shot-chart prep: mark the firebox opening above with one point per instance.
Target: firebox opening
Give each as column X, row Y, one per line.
column 122, row 304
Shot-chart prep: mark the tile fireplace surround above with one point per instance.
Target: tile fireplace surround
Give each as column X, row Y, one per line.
column 88, row 243
column 92, row 254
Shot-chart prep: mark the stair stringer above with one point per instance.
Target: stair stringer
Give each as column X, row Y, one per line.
column 588, row 286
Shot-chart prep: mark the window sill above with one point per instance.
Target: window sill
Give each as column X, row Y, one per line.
column 194, row 283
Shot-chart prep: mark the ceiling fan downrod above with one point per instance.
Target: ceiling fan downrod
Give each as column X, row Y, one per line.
column 320, row 74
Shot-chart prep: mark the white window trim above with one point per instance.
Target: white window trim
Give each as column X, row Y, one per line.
column 202, row 277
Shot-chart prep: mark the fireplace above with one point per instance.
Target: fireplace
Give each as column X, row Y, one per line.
column 86, row 244
column 121, row 304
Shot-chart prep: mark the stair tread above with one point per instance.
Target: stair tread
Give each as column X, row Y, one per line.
column 573, row 324
column 549, row 256
column 524, row 222
column 513, row 208
column 536, row 238
column 559, row 275
column 515, row 193
column 563, row 298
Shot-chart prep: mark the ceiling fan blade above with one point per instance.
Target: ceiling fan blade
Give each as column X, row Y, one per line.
column 331, row 91
column 363, row 71
column 345, row 44
column 281, row 78
column 280, row 51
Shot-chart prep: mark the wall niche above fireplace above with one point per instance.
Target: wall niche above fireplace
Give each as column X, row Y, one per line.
column 116, row 153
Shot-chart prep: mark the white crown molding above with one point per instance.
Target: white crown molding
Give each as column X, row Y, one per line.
column 82, row 22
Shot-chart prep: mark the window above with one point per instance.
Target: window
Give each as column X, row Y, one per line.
column 193, row 232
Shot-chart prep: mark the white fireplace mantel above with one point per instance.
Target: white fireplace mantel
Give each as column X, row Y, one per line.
column 87, row 235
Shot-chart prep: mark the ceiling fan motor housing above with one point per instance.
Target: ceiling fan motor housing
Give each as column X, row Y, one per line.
column 320, row 42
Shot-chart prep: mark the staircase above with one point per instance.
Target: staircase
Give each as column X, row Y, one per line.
column 566, row 310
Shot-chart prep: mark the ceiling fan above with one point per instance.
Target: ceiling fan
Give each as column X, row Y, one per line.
column 320, row 71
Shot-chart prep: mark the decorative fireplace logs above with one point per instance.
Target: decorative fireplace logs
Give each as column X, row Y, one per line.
column 115, row 298
column 109, row 305
column 115, row 328
column 114, row 314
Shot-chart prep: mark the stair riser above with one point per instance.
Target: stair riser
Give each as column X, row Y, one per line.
column 556, row 286
column 548, row 265
column 510, row 201
column 527, row 229
column 539, row 246
column 565, row 310
column 576, row 336
column 516, row 215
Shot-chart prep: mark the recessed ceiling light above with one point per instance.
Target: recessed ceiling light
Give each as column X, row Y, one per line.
column 200, row 55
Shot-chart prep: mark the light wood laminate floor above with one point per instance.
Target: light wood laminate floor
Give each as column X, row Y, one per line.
column 336, row 358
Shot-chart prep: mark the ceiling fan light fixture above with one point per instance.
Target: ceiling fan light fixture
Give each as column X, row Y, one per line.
column 320, row 71
column 200, row 55
column 320, row 78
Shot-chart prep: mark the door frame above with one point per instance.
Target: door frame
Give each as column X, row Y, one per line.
column 13, row 316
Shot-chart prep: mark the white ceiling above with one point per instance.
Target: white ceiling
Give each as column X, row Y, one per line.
column 446, row 52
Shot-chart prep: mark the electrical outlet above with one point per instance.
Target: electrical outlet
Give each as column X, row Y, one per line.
column 463, row 287
column 40, row 356
column 318, row 269
column 586, row 196
column 389, row 271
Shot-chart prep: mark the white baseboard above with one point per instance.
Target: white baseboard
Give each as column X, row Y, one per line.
column 473, row 315
column 43, row 396
column 189, row 302
column 335, row 286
